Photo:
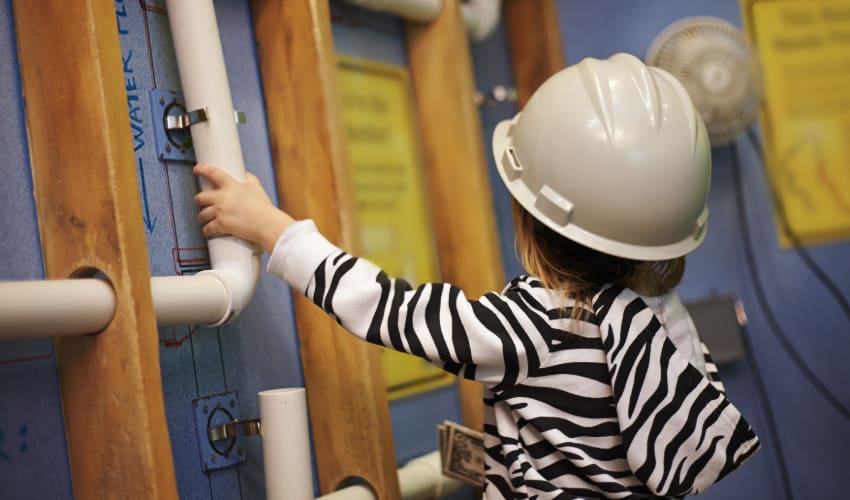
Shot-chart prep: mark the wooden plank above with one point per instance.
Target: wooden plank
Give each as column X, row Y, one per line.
column 352, row 433
column 441, row 67
column 89, row 215
column 534, row 38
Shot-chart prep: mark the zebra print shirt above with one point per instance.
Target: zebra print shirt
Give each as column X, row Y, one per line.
column 604, row 407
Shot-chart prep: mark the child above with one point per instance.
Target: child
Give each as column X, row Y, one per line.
column 596, row 384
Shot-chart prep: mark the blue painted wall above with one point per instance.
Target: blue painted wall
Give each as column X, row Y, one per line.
column 258, row 351
column 812, row 434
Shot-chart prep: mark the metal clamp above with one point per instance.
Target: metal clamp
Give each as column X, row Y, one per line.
column 234, row 429
column 497, row 95
column 180, row 122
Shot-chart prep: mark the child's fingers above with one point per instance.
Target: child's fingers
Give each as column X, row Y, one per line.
column 205, row 198
column 211, row 230
column 217, row 176
column 206, row 215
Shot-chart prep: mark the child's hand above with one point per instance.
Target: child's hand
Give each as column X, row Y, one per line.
column 241, row 209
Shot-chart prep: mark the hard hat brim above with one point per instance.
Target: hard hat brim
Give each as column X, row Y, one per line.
column 556, row 213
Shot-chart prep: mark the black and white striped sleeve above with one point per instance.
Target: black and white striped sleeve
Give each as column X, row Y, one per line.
column 492, row 339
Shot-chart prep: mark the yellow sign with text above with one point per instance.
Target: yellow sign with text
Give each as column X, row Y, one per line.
column 396, row 230
column 804, row 50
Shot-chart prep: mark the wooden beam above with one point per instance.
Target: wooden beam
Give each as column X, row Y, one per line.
column 441, row 67
column 534, row 37
column 89, row 215
column 352, row 432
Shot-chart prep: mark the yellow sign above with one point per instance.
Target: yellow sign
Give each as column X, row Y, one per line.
column 396, row 231
column 804, row 49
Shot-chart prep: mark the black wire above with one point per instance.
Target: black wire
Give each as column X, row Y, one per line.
column 771, row 422
column 761, row 296
column 813, row 266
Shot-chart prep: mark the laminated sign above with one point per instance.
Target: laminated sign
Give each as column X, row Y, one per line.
column 804, row 50
column 388, row 188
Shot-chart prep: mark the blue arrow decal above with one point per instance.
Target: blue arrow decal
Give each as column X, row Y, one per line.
column 149, row 223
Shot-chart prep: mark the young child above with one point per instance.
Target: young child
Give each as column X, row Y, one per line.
column 596, row 384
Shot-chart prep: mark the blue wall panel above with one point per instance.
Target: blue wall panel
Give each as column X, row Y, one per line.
column 259, row 350
column 32, row 433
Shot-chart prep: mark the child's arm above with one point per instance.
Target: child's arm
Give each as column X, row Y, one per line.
column 491, row 339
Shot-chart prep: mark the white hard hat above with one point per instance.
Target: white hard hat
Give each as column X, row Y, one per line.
column 613, row 155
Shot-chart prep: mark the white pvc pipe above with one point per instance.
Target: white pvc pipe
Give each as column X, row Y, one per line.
column 203, row 76
column 212, row 297
column 481, row 17
column 189, row 300
column 58, row 307
column 286, row 444
column 420, row 479
column 412, row 10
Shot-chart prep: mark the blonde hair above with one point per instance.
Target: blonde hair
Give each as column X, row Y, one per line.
column 578, row 271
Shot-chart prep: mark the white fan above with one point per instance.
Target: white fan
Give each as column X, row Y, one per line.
column 714, row 62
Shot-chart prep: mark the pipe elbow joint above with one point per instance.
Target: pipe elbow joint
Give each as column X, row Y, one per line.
column 239, row 278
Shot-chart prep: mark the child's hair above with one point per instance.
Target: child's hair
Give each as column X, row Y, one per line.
column 578, row 271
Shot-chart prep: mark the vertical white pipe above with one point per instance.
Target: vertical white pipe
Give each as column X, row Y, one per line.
column 203, row 76
column 55, row 307
column 286, row 444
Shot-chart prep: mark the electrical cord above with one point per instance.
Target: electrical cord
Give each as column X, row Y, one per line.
column 761, row 296
column 813, row 266
column 761, row 389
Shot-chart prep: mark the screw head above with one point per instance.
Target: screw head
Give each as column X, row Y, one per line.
column 161, row 100
column 232, row 403
column 168, row 147
column 214, row 458
column 206, row 409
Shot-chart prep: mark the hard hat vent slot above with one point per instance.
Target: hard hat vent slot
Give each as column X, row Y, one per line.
column 557, row 208
column 513, row 161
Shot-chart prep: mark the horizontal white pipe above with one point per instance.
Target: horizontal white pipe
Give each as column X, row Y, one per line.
column 420, row 479
column 412, row 10
column 286, row 444
column 481, row 17
column 49, row 308
column 55, row 307
column 189, row 300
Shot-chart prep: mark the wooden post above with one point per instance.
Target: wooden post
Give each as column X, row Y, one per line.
column 349, row 412
column 441, row 67
column 89, row 214
column 534, row 37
